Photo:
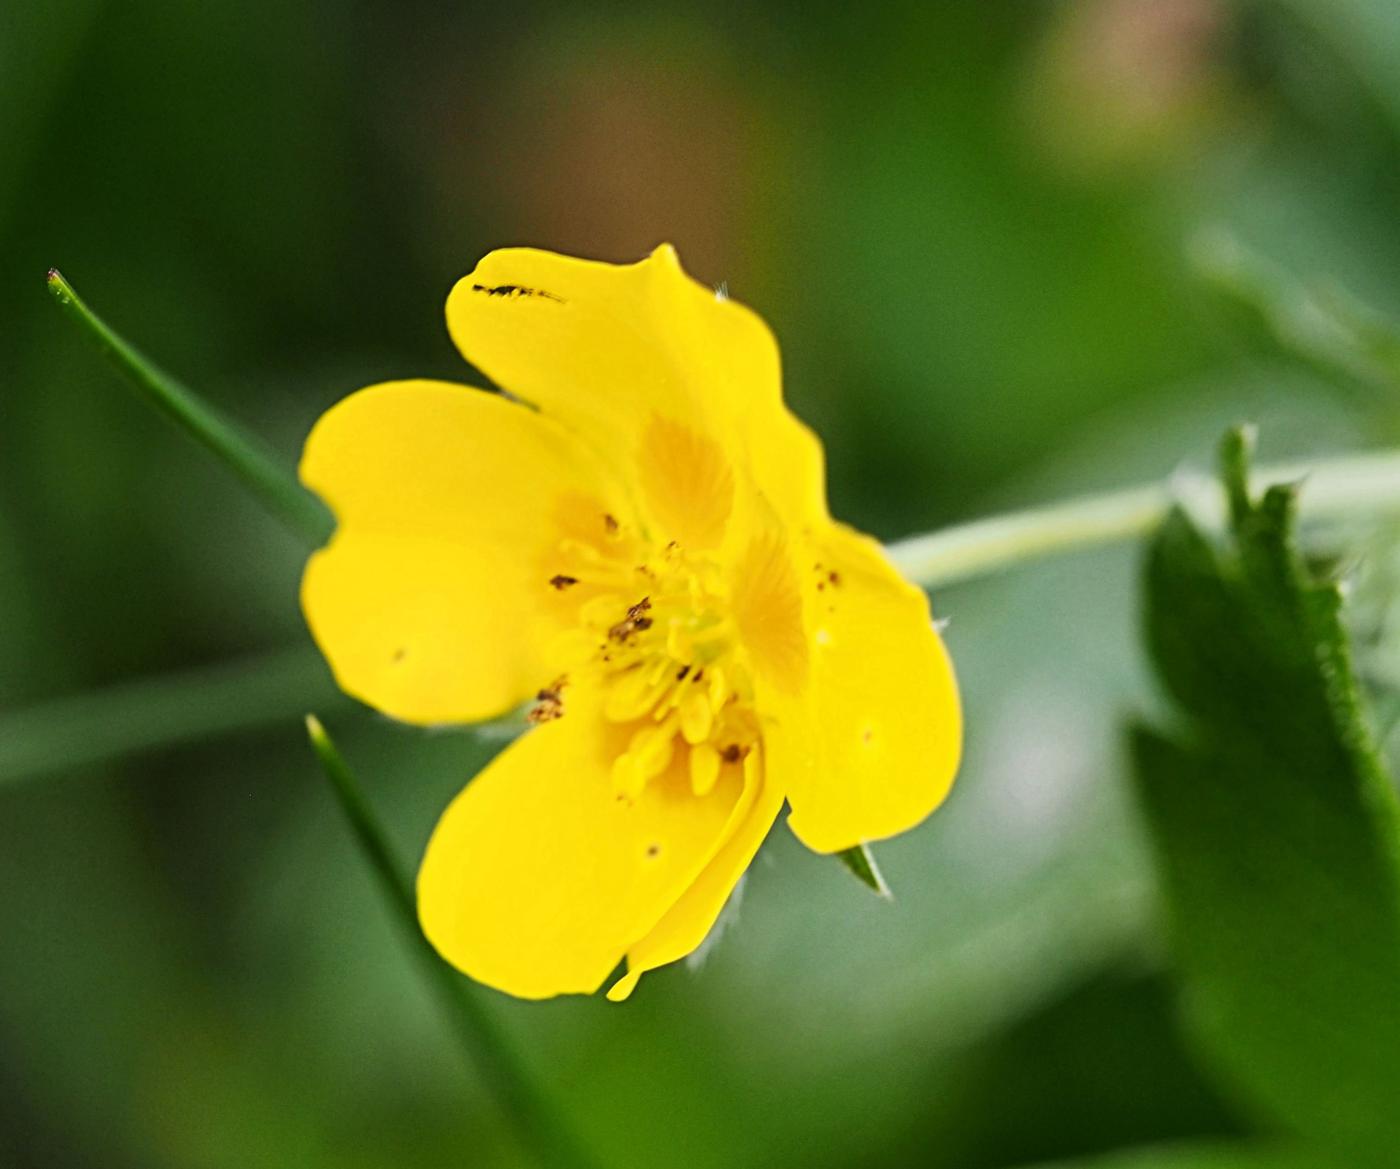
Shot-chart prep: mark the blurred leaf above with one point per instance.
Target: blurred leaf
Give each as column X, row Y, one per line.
column 861, row 863
column 1204, row 1157
column 1366, row 33
column 1275, row 827
column 40, row 46
column 1319, row 321
column 1099, row 1068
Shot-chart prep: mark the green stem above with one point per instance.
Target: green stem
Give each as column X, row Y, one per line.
column 536, row 1125
column 1330, row 489
column 258, row 468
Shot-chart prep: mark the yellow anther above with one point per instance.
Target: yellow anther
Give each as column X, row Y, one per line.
column 632, row 694
column 719, row 686
column 697, row 715
column 648, row 754
column 627, row 777
column 679, row 644
column 704, row 768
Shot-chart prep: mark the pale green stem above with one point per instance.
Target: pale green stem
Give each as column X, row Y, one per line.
column 1331, row 488
column 261, row 471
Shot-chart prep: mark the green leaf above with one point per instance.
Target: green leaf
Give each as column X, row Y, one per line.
column 861, row 863
column 259, row 469
column 1275, row 827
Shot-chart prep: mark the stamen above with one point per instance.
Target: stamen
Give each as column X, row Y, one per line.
column 549, row 702
column 648, row 755
column 684, row 687
column 636, row 621
column 632, row 695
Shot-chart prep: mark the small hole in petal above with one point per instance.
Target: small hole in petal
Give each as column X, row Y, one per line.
column 400, row 654
column 653, row 851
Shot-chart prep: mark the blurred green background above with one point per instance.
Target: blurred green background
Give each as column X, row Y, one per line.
column 972, row 228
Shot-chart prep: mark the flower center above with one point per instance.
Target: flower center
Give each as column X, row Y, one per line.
column 654, row 634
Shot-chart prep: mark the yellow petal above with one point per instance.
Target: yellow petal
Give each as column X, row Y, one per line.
column 666, row 378
column 538, row 877
column 692, row 917
column 872, row 746
column 767, row 594
column 433, row 601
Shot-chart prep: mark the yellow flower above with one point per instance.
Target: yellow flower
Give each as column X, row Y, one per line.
column 636, row 537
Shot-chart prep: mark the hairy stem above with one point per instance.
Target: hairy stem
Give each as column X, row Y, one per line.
column 1353, row 484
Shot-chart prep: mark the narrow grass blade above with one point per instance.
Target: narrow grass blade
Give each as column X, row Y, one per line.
column 535, row 1124
column 258, row 468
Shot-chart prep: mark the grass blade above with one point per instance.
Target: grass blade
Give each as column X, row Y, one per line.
column 534, row 1121
column 259, row 469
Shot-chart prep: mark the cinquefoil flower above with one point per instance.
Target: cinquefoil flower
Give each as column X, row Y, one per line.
column 636, row 539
